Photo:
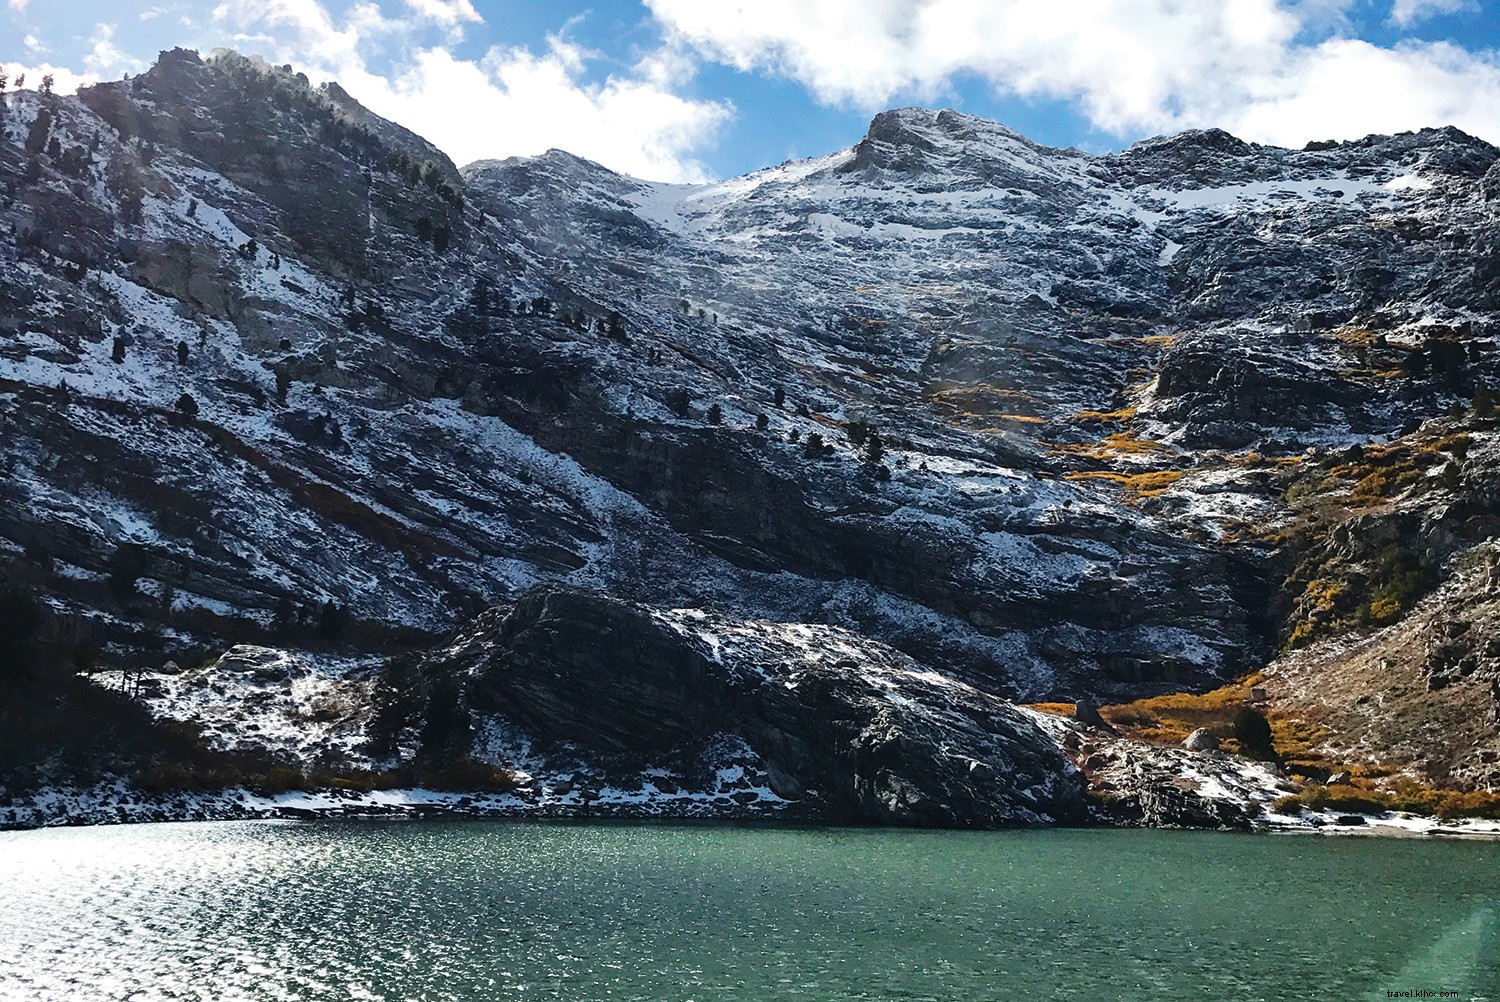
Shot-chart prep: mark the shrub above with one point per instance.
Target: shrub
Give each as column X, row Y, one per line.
column 468, row 775
column 280, row 779
column 1253, row 732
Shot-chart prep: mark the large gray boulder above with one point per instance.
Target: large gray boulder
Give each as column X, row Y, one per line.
column 1201, row 740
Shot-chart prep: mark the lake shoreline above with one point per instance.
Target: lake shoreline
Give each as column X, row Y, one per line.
column 119, row 803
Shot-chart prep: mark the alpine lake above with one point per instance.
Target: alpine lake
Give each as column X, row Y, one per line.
column 459, row 910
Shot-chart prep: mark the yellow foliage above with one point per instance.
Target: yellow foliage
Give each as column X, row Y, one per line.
column 1056, row 709
column 1323, row 594
column 1372, row 486
column 1123, row 414
column 1138, row 485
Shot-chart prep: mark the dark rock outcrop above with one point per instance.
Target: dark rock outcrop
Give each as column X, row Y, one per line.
column 852, row 729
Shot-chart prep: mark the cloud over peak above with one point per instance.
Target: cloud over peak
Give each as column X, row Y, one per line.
column 1129, row 66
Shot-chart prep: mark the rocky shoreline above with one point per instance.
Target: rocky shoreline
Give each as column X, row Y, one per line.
column 118, row 803
column 575, row 705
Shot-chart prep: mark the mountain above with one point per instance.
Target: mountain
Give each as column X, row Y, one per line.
column 1046, row 426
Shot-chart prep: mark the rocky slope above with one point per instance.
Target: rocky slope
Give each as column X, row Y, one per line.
column 274, row 372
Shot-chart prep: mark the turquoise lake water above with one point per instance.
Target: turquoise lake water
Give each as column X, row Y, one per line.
column 494, row 910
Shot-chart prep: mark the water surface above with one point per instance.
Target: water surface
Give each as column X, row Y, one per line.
column 450, row 910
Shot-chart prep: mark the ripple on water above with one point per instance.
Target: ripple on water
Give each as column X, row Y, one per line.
column 459, row 910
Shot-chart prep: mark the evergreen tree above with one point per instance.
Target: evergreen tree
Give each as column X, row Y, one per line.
column 21, row 620
column 187, row 406
column 617, row 328
column 762, row 422
column 182, row 352
column 1253, row 732
column 479, row 297
column 331, row 621
column 778, row 397
column 36, row 139
column 715, row 414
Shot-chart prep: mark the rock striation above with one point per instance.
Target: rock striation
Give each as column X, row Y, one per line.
column 846, row 728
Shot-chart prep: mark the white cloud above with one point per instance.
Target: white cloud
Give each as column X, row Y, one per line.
column 19, row 6
column 446, row 11
column 1130, row 66
column 1409, row 12
column 511, row 102
column 105, row 59
column 64, row 80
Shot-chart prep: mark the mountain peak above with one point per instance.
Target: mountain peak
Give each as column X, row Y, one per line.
column 914, row 140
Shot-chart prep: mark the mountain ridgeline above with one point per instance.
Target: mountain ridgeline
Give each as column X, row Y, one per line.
column 808, row 474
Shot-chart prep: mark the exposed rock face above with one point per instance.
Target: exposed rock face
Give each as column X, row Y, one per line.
column 1422, row 694
column 347, row 394
column 853, row 730
column 1132, row 783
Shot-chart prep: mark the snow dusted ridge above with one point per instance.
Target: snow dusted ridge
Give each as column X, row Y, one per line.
column 275, row 376
column 305, row 709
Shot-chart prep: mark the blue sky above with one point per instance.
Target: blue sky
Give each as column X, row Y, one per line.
column 695, row 89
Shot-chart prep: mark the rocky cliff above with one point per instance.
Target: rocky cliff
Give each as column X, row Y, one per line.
column 273, row 371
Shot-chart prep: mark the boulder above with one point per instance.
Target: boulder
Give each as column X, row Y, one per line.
column 1201, row 740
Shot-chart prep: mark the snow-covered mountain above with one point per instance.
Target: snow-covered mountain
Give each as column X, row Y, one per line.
column 274, row 371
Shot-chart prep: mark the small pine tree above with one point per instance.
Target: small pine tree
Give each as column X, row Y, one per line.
column 331, row 621
column 617, row 328
column 36, row 138
column 182, row 352
column 187, row 406
column 21, row 621
column 46, row 87
column 715, row 414
column 779, row 397
column 1415, row 365
column 1484, row 401
column 1253, row 732
column 118, row 354
column 679, row 401
column 762, row 422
